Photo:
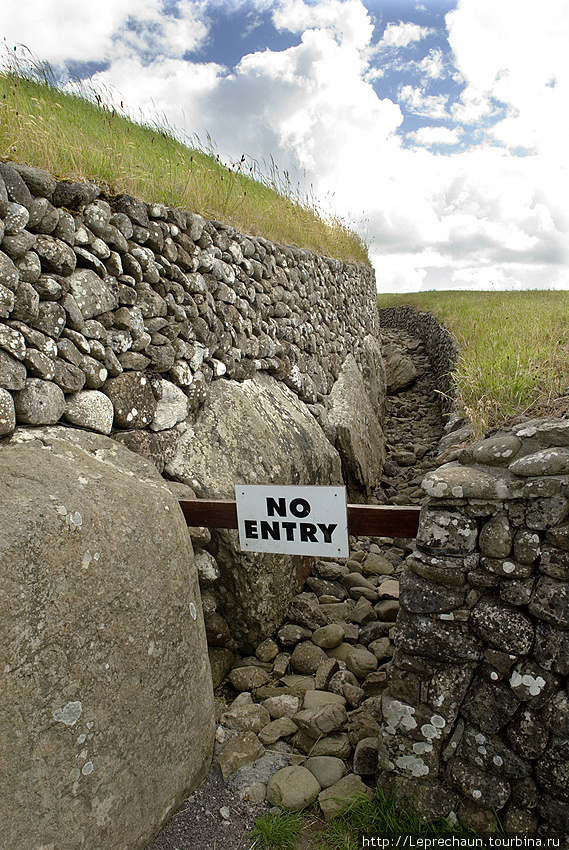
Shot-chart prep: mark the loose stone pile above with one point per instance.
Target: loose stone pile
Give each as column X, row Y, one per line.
column 412, row 425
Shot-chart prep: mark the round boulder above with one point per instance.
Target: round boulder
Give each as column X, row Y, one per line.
column 106, row 707
column 293, row 788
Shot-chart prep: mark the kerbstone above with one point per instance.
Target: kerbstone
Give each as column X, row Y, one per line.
column 83, row 523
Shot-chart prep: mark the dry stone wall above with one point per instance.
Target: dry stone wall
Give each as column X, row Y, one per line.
column 476, row 715
column 441, row 348
column 117, row 316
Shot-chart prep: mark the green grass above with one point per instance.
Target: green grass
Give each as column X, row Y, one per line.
column 379, row 818
column 75, row 136
column 514, row 348
column 277, row 830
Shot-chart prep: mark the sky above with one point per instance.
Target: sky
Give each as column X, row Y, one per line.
column 437, row 129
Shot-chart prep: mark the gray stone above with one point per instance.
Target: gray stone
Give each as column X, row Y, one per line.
column 92, row 294
column 327, row 769
column 421, row 596
column 55, row 255
column 552, row 461
column 306, row 658
column 74, row 195
column 321, row 721
column 440, row 640
column 132, row 398
column 40, row 183
column 15, row 186
column 262, row 433
column 489, row 705
column 483, row 789
column 7, row 299
column 283, row 727
column 39, row 402
column 90, row 409
column 400, row 371
column 248, row 678
column 80, row 518
column 285, row 705
column 361, row 662
column 240, row 750
column 550, row 602
column 551, row 648
column 547, row 512
column 446, row 531
column 12, row 372
column 50, row 319
column 338, row 798
column 328, row 636
column 359, row 434
column 246, row 718
column 70, row 378
column 29, row 267
column 8, row 272
column 7, row 413
column 552, row 770
column 292, row 788
column 44, row 217
column 503, row 626
column 497, row 450
column 172, row 406
column 39, row 365
column 461, row 482
column 365, row 757
column 496, row 537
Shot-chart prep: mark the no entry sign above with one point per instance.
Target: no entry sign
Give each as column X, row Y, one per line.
column 293, row 520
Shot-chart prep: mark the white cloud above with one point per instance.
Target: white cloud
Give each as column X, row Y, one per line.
column 401, row 35
column 436, row 136
column 418, row 103
column 517, row 53
column 433, row 65
column 481, row 218
column 347, row 20
column 64, row 30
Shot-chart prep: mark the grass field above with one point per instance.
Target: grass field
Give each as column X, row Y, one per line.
column 514, row 347
column 74, row 136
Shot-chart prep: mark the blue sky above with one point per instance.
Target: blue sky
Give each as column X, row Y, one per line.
column 437, row 128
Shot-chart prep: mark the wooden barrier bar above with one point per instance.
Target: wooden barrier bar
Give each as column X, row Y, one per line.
column 366, row 520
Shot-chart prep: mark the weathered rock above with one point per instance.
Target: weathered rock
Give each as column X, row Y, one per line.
column 338, row 798
column 240, row 750
column 129, row 706
column 359, row 435
column 39, row 402
column 7, row 413
column 293, row 788
column 263, row 433
column 327, row 769
column 133, row 401
column 90, row 409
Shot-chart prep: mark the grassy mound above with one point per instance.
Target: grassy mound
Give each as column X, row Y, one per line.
column 75, row 136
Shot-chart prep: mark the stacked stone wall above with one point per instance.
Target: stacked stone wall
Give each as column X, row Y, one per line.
column 477, row 708
column 441, row 348
column 116, row 315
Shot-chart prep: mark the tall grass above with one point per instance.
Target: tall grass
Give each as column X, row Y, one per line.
column 74, row 135
column 514, row 348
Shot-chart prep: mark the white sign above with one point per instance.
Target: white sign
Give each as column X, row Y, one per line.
column 293, row 520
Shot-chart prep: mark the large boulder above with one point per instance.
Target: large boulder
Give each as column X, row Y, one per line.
column 106, row 706
column 254, row 432
column 360, row 439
